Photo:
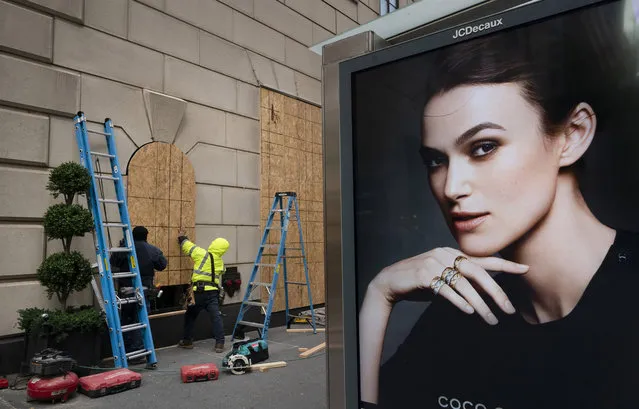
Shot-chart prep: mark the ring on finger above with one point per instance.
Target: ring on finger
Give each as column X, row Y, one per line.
column 453, row 280
column 436, row 284
column 447, row 274
column 458, row 261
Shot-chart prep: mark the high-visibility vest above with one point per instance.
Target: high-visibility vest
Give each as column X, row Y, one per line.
column 202, row 263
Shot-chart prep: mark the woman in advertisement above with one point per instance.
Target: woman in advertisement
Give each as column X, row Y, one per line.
column 507, row 121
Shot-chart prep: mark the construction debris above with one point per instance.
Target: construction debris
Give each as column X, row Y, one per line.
column 313, row 350
column 320, row 315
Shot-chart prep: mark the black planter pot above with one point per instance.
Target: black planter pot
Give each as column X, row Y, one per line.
column 85, row 348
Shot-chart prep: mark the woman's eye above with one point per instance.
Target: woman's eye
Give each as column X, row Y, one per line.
column 435, row 162
column 483, row 148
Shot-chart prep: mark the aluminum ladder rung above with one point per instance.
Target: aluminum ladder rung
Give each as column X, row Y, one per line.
column 132, row 327
column 270, row 245
column 295, row 282
column 115, row 225
column 266, row 265
column 257, row 284
column 98, row 133
column 251, row 324
column 110, row 201
column 102, row 154
column 105, row 177
column 119, row 250
column 138, row 354
column 123, row 275
column 256, row 304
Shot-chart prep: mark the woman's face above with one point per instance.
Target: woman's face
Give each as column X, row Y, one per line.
column 492, row 170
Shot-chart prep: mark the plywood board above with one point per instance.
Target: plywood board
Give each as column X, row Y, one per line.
column 161, row 194
column 291, row 160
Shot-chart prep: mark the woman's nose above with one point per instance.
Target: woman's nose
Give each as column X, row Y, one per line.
column 458, row 180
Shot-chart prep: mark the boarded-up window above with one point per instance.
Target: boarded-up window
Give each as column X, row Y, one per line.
column 161, row 197
column 292, row 161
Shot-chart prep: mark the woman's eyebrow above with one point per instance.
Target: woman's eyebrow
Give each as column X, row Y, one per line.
column 475, row 130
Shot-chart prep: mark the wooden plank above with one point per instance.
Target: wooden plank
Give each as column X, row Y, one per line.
column 269, row 365
column 305, row 330
column 313, row 350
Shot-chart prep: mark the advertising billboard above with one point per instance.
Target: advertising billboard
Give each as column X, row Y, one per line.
column 490, row 187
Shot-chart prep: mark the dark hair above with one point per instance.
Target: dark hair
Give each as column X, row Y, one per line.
column 140, row 233
column 559, row 63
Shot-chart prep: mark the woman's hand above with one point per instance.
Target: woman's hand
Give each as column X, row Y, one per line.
column 396, row 281
column 418, row 272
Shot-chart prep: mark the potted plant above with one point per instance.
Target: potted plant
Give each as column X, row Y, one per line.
column 73, row 329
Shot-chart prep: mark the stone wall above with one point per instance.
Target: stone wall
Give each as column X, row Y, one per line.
column 186, row 72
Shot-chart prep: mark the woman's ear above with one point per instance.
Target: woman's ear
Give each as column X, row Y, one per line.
column 578, row 134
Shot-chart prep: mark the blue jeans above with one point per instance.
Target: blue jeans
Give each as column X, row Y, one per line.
column 209, row 301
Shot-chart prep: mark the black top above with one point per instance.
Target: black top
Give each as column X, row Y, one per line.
column 588, row 359
column 150, row 258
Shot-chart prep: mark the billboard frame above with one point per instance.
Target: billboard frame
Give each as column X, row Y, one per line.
column 341, row 60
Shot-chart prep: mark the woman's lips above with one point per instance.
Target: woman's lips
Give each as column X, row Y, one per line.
column 467, row 222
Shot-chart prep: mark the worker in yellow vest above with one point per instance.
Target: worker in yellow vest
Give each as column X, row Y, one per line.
column 207, row 269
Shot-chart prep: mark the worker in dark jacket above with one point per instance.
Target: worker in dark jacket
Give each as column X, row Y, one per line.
column 208, row 267
column 150, row 258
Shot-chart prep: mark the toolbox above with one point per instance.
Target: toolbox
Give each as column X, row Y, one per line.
column 107, row 383
column 201, row 372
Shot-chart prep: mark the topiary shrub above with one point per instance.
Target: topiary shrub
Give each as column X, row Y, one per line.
column 65, row 272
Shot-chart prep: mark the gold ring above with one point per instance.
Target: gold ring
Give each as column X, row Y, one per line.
column 454, row 279
column 436, row 284
column 458, row 261
column 447, row 274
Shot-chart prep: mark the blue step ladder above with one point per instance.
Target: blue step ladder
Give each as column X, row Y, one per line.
column 104, row 249
column 287, row 212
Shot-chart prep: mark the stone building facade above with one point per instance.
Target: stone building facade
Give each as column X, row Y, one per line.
column 190, row 73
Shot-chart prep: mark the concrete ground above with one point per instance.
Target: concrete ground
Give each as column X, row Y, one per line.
column 301, row 384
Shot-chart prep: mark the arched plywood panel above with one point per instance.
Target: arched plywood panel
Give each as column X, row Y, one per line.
column 161, row 197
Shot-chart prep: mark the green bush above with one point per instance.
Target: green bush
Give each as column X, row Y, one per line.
column 69, row 179
column 63, row 273
column 63, row 221
column 68, row 271
column 62, row 322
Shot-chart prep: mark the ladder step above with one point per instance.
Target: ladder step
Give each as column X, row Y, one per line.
column 137, row 354
column 98, row 133
column 115, row 225
column 119, row 250
column 252, row 324
column 105, row 177
column 133, row 327
column 295, row 283
column 110, row 201
column 256, row 304
column 123, row 275
column 257, row 284
column 274, row 227
column 270, row 245
column 266, row 265
column 105, row 155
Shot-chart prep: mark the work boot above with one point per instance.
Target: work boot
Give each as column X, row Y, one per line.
column 186, row 344
column 219, row 348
